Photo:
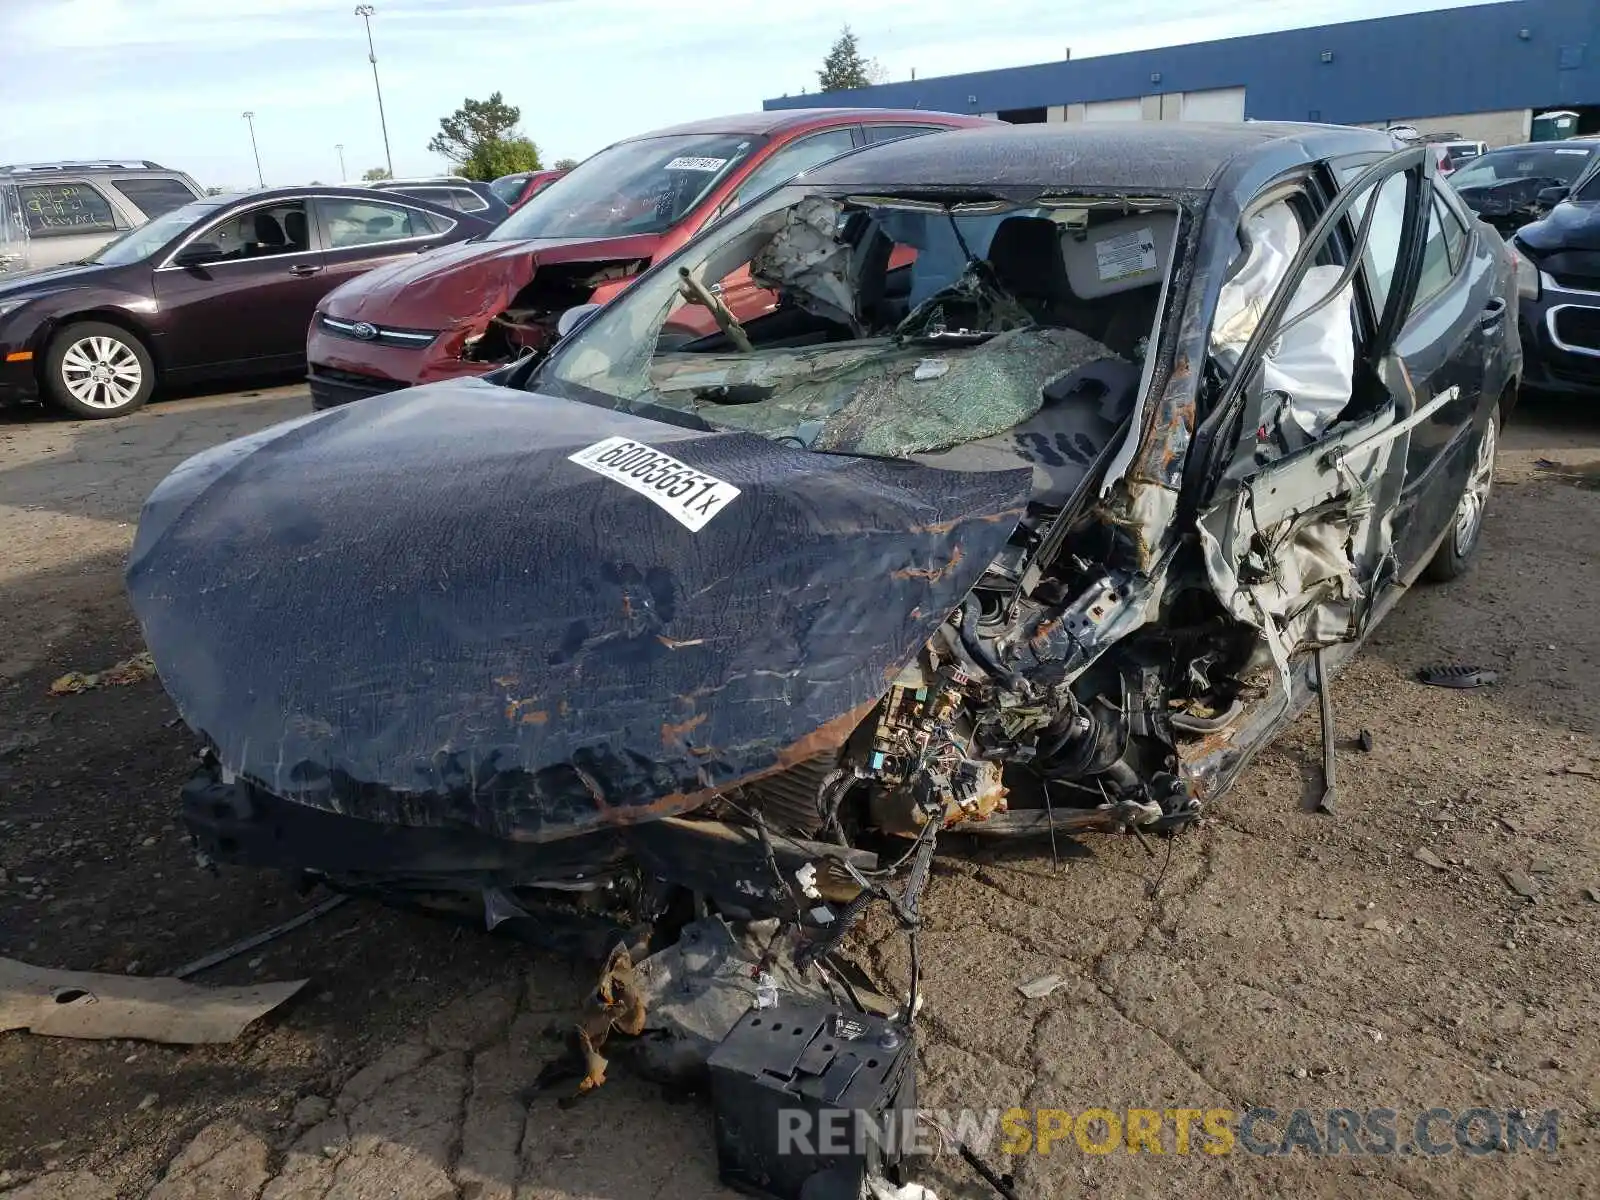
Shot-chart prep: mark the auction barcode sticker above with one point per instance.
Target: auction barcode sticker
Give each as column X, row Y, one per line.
column 695, row 162
column 688, row 496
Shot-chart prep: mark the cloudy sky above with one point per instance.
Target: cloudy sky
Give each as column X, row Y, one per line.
column 168, row 79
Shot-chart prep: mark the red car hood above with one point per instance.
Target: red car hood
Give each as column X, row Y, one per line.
column 466, row 282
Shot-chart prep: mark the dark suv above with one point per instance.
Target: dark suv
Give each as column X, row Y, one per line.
column 1561, row 327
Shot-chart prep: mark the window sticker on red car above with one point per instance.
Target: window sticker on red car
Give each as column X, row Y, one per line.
column 696, row 162
column 688, row 496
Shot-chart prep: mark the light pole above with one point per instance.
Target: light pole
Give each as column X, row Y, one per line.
column 343, row 174
column 250, row 120
column 365, row 11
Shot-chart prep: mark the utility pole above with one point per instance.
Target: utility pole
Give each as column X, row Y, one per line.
column 250, row 120
column 343, row 174
column 365, row 11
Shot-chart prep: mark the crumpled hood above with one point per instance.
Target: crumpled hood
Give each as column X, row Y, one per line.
column 466, row 283
column 419, row 610
column 1569, row 226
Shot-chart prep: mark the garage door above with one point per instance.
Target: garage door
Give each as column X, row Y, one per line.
column 1113, row 110
column 1218, row 104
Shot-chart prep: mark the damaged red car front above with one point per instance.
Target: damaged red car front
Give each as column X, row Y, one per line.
column 492, row 301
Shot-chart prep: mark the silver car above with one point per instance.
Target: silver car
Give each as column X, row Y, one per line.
column 62, row 212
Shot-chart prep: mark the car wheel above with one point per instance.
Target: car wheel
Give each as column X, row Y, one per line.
column 1455, row 555
column 98, row 370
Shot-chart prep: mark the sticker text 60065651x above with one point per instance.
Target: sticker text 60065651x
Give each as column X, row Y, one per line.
column 688, row 496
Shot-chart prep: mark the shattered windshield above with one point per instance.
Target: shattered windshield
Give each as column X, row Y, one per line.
column 886, row 325
column 644, row 186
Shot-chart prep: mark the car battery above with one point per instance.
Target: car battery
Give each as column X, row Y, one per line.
column 804, row 1090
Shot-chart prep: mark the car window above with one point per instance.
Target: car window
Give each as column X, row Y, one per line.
column 261, row 232
column 509, row 187
column 1588, row 189
column 154, row 195
column 144, row 240
column 366, row 223
column 64, row 209
column 460, row 199
column 1556, row 163
column 1383, row 238
column 797, row 156
column 643, row 186
column 890, row 133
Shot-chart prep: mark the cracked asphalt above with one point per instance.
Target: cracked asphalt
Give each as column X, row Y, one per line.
column 1270, row 958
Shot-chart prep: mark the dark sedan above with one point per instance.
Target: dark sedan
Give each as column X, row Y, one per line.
column 1514, row 185
column 223, row 286
column 1061, row 463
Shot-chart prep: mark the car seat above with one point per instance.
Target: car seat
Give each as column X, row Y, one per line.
column 295, row 229
column 1025, row 255
column 269, row 237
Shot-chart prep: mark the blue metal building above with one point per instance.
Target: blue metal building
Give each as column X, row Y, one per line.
column 1483, row 71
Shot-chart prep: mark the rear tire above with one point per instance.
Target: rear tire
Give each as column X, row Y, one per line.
column 1454, row 556
column 95, row 370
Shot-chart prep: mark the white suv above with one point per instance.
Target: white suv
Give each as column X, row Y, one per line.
column 62, row 212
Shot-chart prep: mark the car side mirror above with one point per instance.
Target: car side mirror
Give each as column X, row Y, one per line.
column 197, row 254
column 1553, row 195
column 574, row 317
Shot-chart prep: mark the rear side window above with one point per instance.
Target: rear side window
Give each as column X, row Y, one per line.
column 797, row 156
column 461, row 199
column 1443, row 253
column 890, row 133
column 64, row 209
column 368, row 223
column 152, row 195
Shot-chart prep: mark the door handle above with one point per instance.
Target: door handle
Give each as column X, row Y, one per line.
column 304, row 269
column 1493, row 311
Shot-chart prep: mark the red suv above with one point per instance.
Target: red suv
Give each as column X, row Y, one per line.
column 470, row 308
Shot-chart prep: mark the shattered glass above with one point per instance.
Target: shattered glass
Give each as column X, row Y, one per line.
column 874, row 397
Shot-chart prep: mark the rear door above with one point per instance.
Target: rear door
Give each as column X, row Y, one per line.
column 248, row 308
column 1443, row 343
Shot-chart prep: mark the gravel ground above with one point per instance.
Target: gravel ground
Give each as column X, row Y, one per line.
column 1284, row 959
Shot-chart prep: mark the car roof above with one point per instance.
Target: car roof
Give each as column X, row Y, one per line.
column 786, row 119
column 1154, row 156
column 120, row 166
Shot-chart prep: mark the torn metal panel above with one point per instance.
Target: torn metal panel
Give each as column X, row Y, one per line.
column 550, row 651
column 87, row 1004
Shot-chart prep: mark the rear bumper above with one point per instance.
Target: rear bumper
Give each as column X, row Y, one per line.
column 1561, row 340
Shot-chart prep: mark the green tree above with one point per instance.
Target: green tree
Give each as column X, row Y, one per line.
column 483, row 141
column 372, row 173
column 564, row 164
column 844, row 67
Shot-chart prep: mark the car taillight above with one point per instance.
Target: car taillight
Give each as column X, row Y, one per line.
column 1527, row 273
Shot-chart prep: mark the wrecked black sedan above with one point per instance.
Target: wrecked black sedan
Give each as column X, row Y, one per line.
column 1064, row 462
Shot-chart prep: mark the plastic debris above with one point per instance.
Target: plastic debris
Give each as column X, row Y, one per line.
column 130, row 670
column 1456, row 676
column 1037, row 989
column 258, row 939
